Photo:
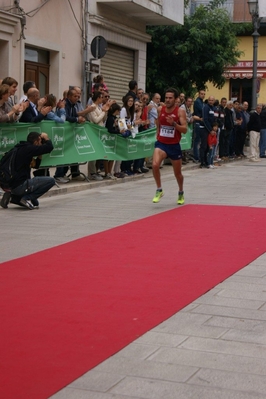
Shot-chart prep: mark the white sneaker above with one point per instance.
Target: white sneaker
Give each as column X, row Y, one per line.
column 211, row 166
column 96, row 177
column 109, row 176
column 62, row 180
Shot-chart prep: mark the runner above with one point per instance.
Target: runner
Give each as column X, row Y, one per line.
column 171, row 123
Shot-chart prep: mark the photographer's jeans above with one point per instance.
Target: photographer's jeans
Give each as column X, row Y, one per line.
column 34, row 188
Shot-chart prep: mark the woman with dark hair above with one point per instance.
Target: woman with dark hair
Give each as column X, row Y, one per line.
column 112, row 127
column 99, row 79
column 127, row 113
column 128, row 110
column 112, row 124
column 59, row 115
column 112, row 118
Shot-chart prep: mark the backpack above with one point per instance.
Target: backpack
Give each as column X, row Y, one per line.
column 7, row 168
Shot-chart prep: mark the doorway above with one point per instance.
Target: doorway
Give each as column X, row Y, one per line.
column 37, row 68
column 241, row 89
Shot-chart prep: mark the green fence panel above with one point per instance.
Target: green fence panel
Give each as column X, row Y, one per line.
column 78, row 143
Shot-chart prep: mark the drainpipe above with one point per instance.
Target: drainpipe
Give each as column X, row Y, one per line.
column 85, row 57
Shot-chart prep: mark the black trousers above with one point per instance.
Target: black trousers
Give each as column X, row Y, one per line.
column 240, row 140
column 203, row 146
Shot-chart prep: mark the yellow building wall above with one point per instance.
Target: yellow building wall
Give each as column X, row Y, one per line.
column 245, row 45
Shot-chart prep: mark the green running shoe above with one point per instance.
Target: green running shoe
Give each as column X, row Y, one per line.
column 158, row 196
column 181, row 199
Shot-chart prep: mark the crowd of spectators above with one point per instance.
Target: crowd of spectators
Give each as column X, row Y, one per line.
column 236, row 128
column 220, row 130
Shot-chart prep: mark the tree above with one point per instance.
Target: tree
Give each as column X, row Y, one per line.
column 189, row 56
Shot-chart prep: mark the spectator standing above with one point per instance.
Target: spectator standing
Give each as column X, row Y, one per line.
column 72, row 116
column 262, row 143
column 212, row 142
column 245, row 111
column 241, row 132
column 153, row 110
column 229, row 126
column 81, row 111
column 98, row 117
column 13, row 86
column 59, row 115
column 220, row 120
column 146, row 107
column 233, row 136
column 97, row 87
column 9, row 113
column 100, row 80
column 182, row 98
column 138, row 164
column 189, row 117
column 208, row 119
column 140, row 93
column 197, row 118
column 37, row 110
column 127, row 113
column 254, row 128
column 112, row 127
column 26, row 86
column 133, row 87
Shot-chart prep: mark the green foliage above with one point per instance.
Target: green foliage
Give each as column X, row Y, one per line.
column 189, row 56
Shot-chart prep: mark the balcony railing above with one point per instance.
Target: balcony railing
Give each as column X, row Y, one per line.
column 237, row 9
column 148, row 12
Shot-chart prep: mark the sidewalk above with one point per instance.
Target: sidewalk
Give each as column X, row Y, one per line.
column 79, row 185
column 215, row 348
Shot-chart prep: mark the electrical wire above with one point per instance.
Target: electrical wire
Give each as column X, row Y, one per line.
column 37, row 9
column 23, row 14
column 73, row 12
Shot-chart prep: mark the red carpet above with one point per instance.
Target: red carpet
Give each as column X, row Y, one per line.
column 66, row 309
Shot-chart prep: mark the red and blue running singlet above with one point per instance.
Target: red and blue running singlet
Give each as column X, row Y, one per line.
column 167, row 133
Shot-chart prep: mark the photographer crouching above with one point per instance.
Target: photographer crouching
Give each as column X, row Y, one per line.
column 24, row 190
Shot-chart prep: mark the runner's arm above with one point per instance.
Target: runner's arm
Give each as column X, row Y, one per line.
column 182, row 125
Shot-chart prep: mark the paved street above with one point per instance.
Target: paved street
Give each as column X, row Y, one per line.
column 215, row 348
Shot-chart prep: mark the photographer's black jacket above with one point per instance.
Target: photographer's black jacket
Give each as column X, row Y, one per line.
column 26, row 151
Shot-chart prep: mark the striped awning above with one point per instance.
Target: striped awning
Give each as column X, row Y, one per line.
column 244, row 70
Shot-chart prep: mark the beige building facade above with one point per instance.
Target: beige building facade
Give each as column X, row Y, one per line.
column 238, row 84
column 49, row 41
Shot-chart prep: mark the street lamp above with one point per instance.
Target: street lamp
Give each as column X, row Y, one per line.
column 254, row 12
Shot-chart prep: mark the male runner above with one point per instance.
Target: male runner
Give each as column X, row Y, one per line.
column 170, row 124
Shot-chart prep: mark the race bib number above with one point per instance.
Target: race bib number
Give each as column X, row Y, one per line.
column 167, row 131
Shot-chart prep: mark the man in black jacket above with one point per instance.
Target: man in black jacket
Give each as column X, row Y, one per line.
column 206, row 126
column 36, row 110
column 229, row 126
column 25, row 190
column 254, row 127
column 72, row 116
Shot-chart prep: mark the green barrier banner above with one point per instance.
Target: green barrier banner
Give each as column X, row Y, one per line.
column 78, row 143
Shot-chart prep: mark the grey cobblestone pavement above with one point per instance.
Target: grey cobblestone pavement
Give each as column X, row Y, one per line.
column 215, row 348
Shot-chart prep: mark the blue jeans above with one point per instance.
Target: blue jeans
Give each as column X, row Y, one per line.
column 210, row 155
column 62, row 170
column 34, row 188
column 262, row 143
